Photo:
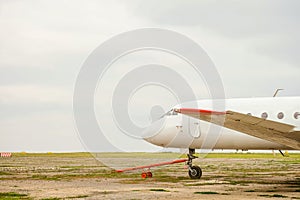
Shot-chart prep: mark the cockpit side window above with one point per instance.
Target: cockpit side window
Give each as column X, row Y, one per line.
column 170, row 113
column 173, row 112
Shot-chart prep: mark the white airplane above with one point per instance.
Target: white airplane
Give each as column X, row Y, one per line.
column 246, row 124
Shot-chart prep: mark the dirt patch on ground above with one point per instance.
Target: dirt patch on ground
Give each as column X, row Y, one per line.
column 82, row 177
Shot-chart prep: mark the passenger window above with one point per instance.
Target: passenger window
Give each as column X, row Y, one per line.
column 280, row 115
column 264, row 115
column 297, row 115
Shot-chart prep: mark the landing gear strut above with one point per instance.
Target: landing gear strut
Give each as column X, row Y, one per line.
column 195, row 172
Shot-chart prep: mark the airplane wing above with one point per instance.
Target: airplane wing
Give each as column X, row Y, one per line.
column 277, row 132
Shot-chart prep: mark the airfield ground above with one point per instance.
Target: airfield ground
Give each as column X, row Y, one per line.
column 80, row 176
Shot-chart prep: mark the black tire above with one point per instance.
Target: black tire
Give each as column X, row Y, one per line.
column 195, row 172
column 149, row 174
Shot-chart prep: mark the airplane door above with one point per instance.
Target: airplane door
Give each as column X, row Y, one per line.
column 194, row 127
column 190, row 126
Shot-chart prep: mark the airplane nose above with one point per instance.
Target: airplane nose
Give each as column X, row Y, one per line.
column 160, row 133
column 169, row 132
column 153, row 130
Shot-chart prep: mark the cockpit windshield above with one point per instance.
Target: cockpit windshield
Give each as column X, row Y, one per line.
column 170, row 113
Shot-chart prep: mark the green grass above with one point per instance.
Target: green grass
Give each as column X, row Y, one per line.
column 76, row 154
column 251, row 155
column 158, row 190
column 159, row 155
column 71, row 176
column 278, row 196
column 4, row 173
column 260, row 170
column 72, row 197
column 13, row 195
column 77, row 197
column 274, row 195
column 75, row 167
column 138, row 155
column 206, row 192
column 85, row 171
column 294, row 161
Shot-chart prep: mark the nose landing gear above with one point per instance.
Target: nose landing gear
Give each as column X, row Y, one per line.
column 195, row 172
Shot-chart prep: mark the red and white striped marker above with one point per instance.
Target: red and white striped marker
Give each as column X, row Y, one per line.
column 5, row 154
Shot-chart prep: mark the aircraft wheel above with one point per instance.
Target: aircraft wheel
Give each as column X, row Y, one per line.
column 149, row 174
column 195, row 172
column 144, row 175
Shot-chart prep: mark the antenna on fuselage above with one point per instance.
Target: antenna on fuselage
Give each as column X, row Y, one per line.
column 275, row 94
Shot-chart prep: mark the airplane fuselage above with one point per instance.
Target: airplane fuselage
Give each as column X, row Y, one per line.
column 181, row 131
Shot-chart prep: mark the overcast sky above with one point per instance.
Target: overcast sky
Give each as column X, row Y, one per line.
column 255, row 46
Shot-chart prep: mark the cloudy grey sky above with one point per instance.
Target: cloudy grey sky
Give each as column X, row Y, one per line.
column 255, row 46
